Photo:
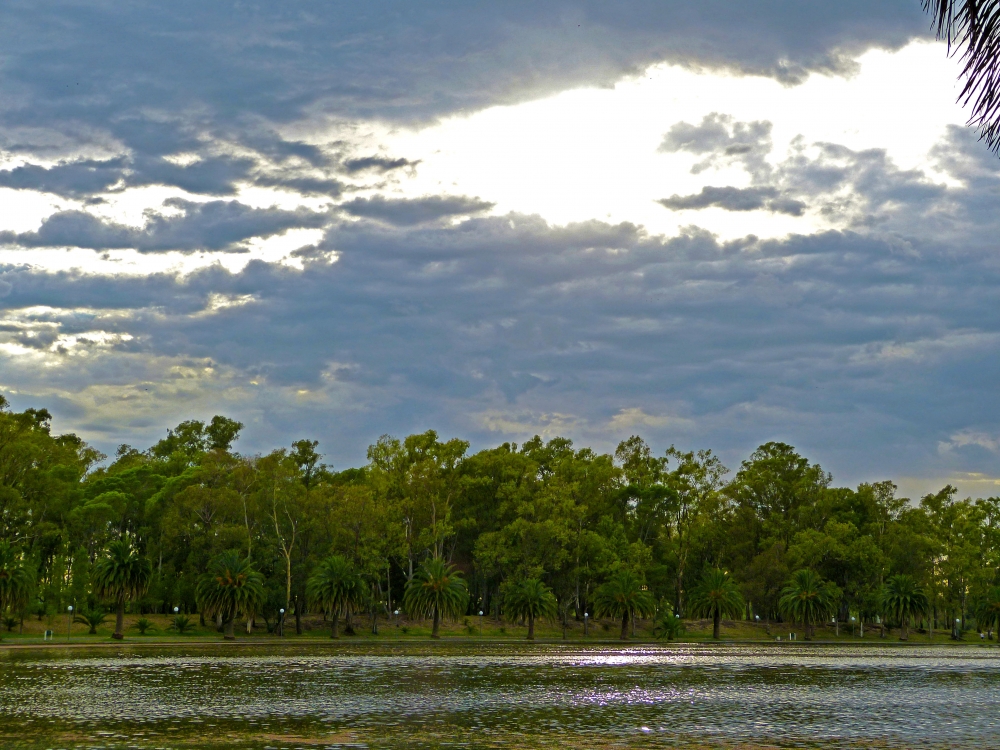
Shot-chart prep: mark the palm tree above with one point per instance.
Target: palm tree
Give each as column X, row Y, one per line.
column 181, row 623
column 530, row 598
column 231, row 588
column 623, row 596
column 92, row 619
column 15, row 581
column 668, row 625
column 122, row 574
column 716, row 596
column 436, row 589
column 903, row 600
column 988, row 610
column 808, row 599
column 336, row 588
column 975, row 25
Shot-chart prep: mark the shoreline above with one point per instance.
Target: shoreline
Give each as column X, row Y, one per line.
column 20, row 645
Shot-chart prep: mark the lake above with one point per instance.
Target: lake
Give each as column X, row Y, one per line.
column 419, row 695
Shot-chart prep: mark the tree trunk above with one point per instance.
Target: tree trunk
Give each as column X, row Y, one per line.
column 531, row 627
column 435, row 633
column 624, row 635
column 716, row 617
column 228, row 629
column 335, row 626
column 119, row 633
column 904, row 630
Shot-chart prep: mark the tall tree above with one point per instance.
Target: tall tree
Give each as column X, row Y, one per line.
column 808, row 599
column 436, row 589
column 903, row 600
column 336, row 588
column 717, row 596
column 121, row 575
column 530, row 599
column 624, row 597
column 230, row 588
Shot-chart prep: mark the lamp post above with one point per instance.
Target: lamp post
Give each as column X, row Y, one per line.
column 957, row 632
column 176, row 610
column 396, row 613
column 586, row 622
column 281, row 622
column 852, row 626
column 69, row 622
column 480, row 623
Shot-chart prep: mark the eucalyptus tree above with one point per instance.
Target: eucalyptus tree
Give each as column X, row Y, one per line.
column 988, row 610
column 807, row 599
column 716, row 596
column 530, row 599
column 121, row 575
column 230, row 588
column 436, row 589
column 903, row 600
column 336, row 588
column 624, row 597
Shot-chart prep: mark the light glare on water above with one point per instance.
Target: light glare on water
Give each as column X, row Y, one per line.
column 416, row 695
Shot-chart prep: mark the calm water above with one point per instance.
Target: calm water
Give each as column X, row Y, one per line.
column 501, row 696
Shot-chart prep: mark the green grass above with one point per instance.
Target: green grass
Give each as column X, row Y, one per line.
column 464, row 629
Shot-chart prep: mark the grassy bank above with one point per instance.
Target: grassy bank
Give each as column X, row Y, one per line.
column 471, row 629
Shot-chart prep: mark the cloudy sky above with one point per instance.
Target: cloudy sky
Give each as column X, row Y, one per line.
column 712, row 224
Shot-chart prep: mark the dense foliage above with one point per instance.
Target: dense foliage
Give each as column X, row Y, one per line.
column 430, row 527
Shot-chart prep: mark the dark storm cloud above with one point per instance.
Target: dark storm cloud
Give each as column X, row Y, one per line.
column 410, row 211
column 71, row 179
column 155, row 79
column 736, row 199
column 839, row 342
column 215, row 225
column 376, row 163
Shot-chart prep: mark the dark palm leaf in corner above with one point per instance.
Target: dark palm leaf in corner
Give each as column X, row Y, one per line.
column 974, row 25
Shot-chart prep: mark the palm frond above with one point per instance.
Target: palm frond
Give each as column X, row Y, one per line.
column 974, row 27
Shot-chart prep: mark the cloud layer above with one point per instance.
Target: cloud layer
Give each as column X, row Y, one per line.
column 872, row 344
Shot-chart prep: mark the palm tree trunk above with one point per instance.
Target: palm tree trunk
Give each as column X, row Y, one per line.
column 716, row 617
column 435, row 633
column 228, row 629
column 904, row 630
column 531, row 627
column 624, row 635
column 335, row 626
column 119, row 633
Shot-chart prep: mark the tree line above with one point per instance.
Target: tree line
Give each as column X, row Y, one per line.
column 538, row 530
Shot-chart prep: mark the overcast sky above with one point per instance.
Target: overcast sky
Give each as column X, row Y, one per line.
column 713, row 224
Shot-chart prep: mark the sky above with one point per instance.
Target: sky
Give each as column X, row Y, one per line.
column 711, row 224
